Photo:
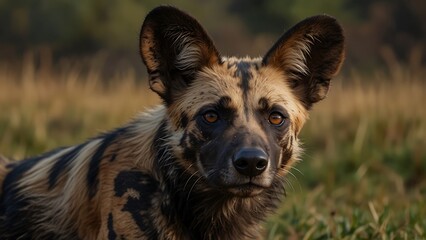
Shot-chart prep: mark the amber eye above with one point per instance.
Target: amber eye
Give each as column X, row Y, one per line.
column 211, row 116
column 276, row 118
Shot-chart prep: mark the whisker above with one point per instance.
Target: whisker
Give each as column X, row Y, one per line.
column 301, row 173
column 288, row 172
column 187, row 181
column 297, row 180
column 288, row 182
column 193, row 185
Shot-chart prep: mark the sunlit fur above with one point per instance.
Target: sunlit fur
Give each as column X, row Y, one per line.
column 168, row 174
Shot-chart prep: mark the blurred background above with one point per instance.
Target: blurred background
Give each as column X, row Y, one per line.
column 71, row 69
column 59, row 29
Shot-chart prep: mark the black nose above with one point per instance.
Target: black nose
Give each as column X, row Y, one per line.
column 250, row 161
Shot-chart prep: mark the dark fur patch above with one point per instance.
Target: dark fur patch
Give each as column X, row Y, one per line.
column 243, row 72
column 226, row 110
column 113, row 157
column 93, row 172
column 264, row 104
column 111, row 232
column 286, row 155
column 183, row 120
column 144, row 185
column 224, row 102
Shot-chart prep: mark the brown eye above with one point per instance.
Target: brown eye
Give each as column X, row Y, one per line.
column 276, row 118
column 211, row 117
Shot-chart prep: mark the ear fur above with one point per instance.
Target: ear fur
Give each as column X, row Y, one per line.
column 174, row 46
column 310, row 54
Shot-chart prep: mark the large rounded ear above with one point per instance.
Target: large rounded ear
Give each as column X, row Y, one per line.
column 174, row 46
column 310, row 54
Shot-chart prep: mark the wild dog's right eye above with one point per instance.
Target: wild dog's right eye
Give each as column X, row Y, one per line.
column 210, row 116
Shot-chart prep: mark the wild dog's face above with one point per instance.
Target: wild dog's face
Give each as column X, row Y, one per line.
column 235, row 121
column 241, row 125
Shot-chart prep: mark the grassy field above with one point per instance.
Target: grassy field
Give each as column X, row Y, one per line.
column 363, row 175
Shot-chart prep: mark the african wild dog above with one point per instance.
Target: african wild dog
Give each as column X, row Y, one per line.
column 209, row 163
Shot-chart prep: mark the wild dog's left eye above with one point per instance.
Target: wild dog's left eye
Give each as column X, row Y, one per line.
column 211, row 116
column 276, row 118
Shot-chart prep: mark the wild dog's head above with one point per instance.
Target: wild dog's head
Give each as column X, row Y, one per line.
column 235, row 121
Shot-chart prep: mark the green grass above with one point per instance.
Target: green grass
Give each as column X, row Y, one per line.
column 363, row 174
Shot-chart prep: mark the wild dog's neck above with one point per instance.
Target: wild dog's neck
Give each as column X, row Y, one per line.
column 205, row 212
column 143, row 130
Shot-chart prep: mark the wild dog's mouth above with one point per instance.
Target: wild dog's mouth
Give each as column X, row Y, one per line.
column 249, row 189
